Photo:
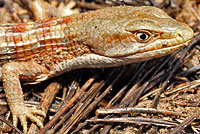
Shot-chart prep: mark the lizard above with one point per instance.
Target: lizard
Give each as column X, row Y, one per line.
column 36, row 51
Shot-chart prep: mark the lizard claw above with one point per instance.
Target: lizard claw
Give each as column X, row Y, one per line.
column 23, row 113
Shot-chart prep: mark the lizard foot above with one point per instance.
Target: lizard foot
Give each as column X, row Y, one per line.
column 23, row 113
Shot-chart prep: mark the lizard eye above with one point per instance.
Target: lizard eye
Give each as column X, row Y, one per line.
column 142, row 36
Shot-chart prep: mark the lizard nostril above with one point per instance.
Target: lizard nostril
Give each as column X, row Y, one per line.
column 179, row 34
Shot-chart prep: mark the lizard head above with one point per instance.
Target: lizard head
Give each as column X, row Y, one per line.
column 126, row 34
column 138, row 34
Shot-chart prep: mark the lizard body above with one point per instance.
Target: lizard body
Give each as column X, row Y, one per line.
column 109, row 37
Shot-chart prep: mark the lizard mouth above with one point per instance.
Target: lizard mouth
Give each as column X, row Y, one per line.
column 160, row 45
column 147, row 54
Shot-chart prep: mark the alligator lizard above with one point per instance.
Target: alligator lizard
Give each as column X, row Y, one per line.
column 34, row 52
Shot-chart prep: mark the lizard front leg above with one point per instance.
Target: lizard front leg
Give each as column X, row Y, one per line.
column 12, row 73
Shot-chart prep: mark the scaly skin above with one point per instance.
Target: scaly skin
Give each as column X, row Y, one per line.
column 34, row 52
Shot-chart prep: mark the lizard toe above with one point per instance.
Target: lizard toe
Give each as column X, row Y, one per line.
column 39, row 112
column 24, row 113
column 15, row 120
column 23, row 123
column 34, row 119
